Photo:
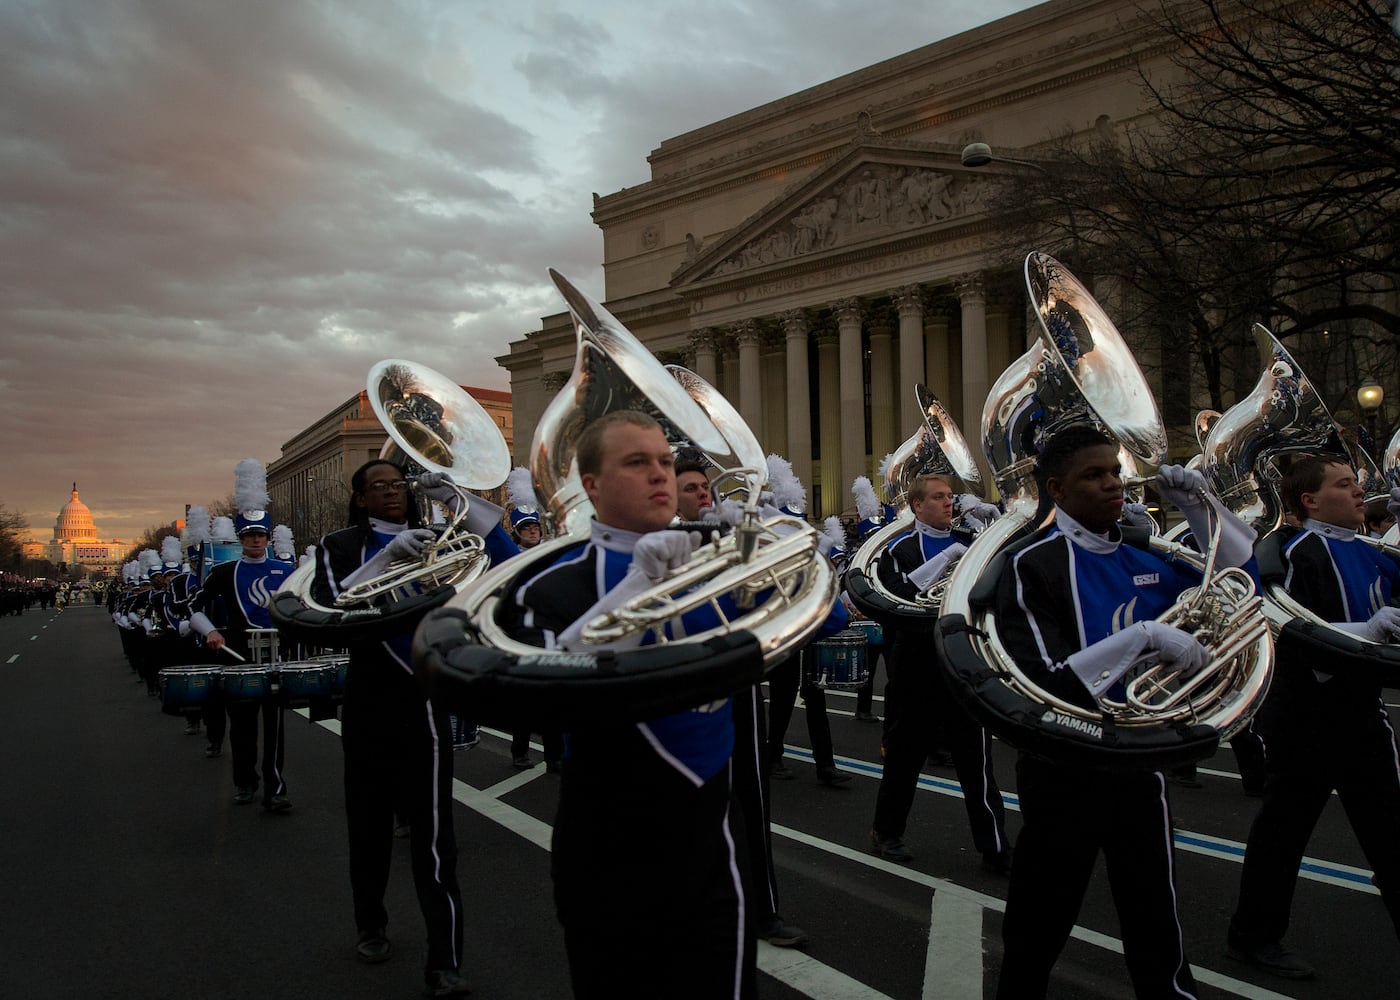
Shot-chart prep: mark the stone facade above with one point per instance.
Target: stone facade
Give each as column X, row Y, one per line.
column 815, row 257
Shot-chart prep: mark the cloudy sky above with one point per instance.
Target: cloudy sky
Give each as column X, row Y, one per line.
column 215, row 216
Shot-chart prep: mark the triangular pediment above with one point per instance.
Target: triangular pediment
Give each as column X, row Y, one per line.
column 870, row 194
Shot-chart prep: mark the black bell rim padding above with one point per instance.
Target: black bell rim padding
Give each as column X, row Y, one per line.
column 561, row 690
column 1035, row 728
column 1311, row 641
column 879, row 607
column 299, row 622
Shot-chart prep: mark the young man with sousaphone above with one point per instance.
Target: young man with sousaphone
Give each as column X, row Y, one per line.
column 1076, row 608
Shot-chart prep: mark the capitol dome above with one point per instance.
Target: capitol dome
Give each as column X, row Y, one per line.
column 74, row 521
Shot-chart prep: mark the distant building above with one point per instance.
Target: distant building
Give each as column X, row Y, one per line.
column 75, row 542
column 309, row 483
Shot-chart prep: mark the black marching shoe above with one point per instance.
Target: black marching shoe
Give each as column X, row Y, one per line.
column 889, row 848
column 244, row 796
column 831, row 776
column 373, row 947
column 780, row 772
column 214, row 750
column 867, row 717
column 445, row 983
column 278, row 804
column 997, row 862
column 781, row 934
column 1273, row 958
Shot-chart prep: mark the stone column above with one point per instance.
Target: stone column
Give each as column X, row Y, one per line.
column 852, row 373
column 998, row 340
column 830, row 422
column 938, row 362
column 975, row 380
column 883, row 429
column 702, row 342
column 750, row 375
column 909, row 300
column 774, row 406
column 799, row 404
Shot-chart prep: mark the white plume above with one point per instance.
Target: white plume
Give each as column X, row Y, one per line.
column 222, row 530
column 282, row 543
column 197, row 526
column 833, row 530
column 866, row 502
column 520, row 488
column 150, row 560
column 307, row 556
column 170, row 550
column 131, row 572
column 250, row 485
column 884, row 473
column 787, row 489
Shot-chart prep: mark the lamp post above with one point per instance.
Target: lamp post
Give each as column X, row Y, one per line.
column 979, row 154
column 1370, row 396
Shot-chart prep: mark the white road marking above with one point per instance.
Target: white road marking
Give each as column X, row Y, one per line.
column 803, row 973
column 13, row 658
column 953, row 963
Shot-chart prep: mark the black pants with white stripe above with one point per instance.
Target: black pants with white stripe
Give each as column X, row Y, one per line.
column 1070, row 815
column 749, row 776
column 1318, row 737
column 923, row 718
column 244, row 717
column 398, row 751
column 646, row 878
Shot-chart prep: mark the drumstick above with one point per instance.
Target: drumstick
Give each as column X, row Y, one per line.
column 230, row 652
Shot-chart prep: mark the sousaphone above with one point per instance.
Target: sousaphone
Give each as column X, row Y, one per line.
column 469, row 651
column 434, row 425
column 1081, row 371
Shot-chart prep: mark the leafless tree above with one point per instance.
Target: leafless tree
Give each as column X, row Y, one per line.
column 1260, row 188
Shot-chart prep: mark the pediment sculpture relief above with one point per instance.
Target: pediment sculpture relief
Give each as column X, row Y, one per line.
column 874, row 200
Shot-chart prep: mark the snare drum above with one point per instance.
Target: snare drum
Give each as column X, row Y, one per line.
column 188, row 687
column 305, row 680
column 838, row 662
column 244, row 683
column 874, row 631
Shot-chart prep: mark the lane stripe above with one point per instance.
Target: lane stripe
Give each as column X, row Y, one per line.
column 953, row 963
column 13, row 658
column 1332, row 873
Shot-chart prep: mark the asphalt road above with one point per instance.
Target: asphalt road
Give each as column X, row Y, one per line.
column 128, row 872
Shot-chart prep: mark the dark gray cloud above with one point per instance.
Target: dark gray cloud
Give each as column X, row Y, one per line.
column 214, row 217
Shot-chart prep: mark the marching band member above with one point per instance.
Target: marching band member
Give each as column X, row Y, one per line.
column 695, row 502
column 237, row 592
column 789, row 678
column 873, row 515
column 397, row 743
column 170, row 605
column 923, row 715
column 1077, row 609
column 661, row 912
column 525, row 529
column 1324, row 731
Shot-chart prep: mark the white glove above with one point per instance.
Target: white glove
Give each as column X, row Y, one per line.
column 184, row 628
column 1180, row 650
column 1183, row 488
column 659, row 551
column 1136, row 515
column 437, row 486
column 408, row 544
column 1393, row 504
column 935, row 566
column 971, row 505
column 729, row 512
column 1384, row 625
column 1101, row 665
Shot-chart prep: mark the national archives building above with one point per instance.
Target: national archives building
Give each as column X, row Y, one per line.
column 815, row 257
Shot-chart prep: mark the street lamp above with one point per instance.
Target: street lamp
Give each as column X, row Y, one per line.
column 979, row 154
column 1369, row 397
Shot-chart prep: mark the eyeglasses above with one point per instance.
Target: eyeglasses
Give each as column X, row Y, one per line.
column 395, row 486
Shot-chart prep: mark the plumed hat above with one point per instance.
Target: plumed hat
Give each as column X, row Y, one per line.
column 222, row 530
column 520, row 495
column 171, row 554
column 868, row 506
column 789, row 495
column 283, row 547
column 835, row 533
column 198, row 530
column 250, row 497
